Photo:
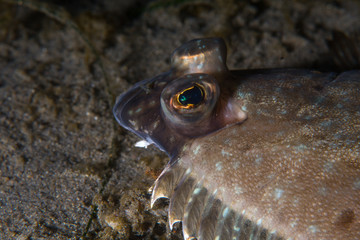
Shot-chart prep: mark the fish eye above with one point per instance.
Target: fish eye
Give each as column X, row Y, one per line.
column 190, row 97
column 189, row 100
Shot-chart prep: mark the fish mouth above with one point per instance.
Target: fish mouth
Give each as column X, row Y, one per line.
column 123, row 104
column 124, row 99
column 127, row 106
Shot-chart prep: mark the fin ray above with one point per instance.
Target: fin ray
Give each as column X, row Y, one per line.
column 166, row 183
column 193, row 212
column 209, row 219
column 180, row 199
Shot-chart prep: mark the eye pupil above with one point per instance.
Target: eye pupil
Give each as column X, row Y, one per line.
column 191, row 96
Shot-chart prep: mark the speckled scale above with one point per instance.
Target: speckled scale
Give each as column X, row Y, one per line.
column 267, row 154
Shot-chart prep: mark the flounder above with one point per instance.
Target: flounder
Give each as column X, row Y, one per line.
column 255, row 154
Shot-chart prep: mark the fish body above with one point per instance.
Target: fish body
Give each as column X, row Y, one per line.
column 254, row 154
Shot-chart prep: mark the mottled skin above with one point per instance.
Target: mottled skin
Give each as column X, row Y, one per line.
column 279, row 148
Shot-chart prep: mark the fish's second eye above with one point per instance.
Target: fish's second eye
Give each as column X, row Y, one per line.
column 190, row 97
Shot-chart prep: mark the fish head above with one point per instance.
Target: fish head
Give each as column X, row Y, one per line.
column 193, row 99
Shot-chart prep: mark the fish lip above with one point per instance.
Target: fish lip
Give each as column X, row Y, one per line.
column 122, row 100
column 126, row 97
column 129, row 94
